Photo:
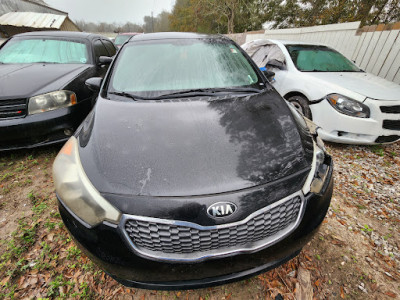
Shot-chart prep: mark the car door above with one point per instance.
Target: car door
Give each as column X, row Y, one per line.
column 275, row 62
column 100, row 50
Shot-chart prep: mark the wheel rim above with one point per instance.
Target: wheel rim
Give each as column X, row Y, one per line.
column 298, row 107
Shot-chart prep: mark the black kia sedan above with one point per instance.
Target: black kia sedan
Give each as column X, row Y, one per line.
column 43, row 98
column 191, row 170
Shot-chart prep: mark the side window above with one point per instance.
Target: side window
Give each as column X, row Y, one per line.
column 110, row 47
column 99, row 49
column 275, row 57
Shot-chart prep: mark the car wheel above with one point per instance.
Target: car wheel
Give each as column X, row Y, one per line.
column 301, row 104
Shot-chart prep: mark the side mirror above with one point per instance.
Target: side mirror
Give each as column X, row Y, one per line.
column 94, row 83
column 105, row 60
column 269, row 74
column 276, row 64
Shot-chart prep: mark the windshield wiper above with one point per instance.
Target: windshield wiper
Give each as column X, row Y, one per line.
column 128, row 95
column 207, row 92
column 188, row 93
column 172, row 95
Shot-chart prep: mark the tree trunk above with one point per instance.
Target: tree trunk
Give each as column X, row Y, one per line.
column 374, row 20
column 231, row 21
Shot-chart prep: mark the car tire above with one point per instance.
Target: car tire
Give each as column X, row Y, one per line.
column 301, row 104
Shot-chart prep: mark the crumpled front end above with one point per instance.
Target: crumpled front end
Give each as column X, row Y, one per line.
column 383, row 125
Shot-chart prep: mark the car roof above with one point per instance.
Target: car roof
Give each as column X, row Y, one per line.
column 175, row 35
column 65, row 34
column 129, row 33
column 287, row 42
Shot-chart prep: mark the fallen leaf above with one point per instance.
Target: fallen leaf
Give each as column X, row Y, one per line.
column 390, row 294
column 341, row 292
column 21, row 280
column 50, row 237
column 5, row 280
column 308, row 258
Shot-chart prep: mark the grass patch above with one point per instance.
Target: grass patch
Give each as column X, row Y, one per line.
column 378, row 150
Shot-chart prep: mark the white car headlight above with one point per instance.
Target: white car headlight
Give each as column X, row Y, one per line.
column 51, row 101
column 76, row 191
column 348, row 106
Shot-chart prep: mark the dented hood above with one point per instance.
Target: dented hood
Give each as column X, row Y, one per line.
column 190, row 147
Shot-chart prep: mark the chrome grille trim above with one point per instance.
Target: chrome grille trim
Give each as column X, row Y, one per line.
column 197, row 256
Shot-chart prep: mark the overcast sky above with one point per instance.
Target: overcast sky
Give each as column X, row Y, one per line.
column 120, row 11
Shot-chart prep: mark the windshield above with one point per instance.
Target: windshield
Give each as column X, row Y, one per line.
column 120, row 39
column 310, row 58
column 158, row 68
column 23, row 51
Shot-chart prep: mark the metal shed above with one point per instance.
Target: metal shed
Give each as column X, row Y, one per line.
column 18, row 16
column 18, row 22
column 38, row 6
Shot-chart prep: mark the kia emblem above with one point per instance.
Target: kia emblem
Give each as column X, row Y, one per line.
column 221, row 209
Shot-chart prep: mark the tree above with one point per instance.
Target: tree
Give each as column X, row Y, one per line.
column 156, row 24
column 292, row 13
column 148, row 24
column 214, row 16
column 130, row 27
column 183, row 16
column 226, row 8
column 162, row 22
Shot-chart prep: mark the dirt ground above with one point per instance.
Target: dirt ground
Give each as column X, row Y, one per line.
column 355, row 255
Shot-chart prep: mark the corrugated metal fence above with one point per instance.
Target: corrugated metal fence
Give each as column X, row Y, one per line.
column 376, row 49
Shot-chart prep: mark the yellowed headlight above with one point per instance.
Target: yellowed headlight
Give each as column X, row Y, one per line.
column 76, row 191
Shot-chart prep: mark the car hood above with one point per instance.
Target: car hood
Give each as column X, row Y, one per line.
column 365, row 84
column 191, row 147
column 27, row 80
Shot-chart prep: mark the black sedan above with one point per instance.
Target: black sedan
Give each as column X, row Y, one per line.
column 191, row 170
column 43, row 98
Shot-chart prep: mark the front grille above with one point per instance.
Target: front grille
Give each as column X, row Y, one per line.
column 177, row 240
column 390, row 109
column 391, row 124
column 387, row 139
column 13, row 108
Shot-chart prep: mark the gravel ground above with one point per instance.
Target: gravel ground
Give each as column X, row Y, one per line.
column 360, row 240
column 370, row 177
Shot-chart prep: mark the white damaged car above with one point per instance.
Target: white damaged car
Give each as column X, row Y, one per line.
column 349, row 105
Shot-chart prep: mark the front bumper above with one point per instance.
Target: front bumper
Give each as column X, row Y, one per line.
column 43, row 128
column 106, row 245
column 339, row 128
